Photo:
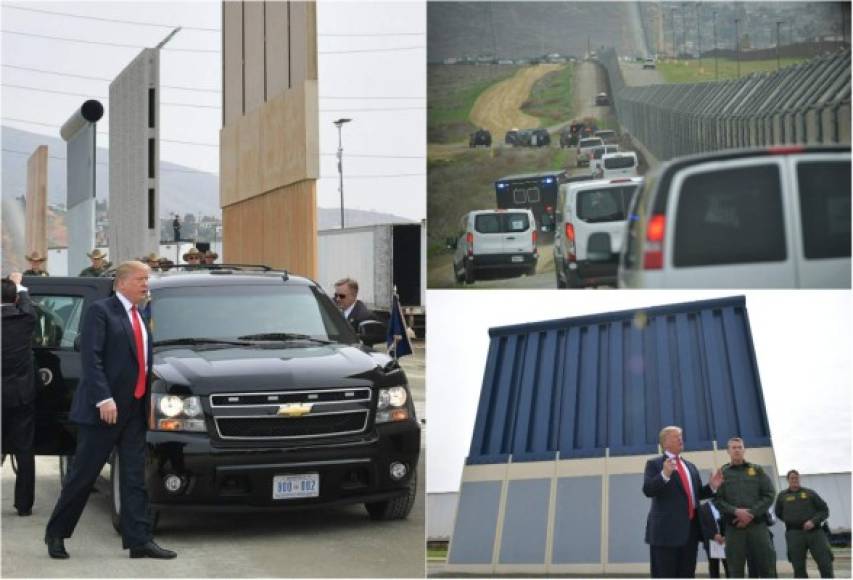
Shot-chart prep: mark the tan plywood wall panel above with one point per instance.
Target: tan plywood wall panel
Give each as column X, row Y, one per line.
column 36, row 227
column 232, row 61
column 276, row 145
column 254, row 55
column 277, row 229
column 277, row 47
column 303, row 42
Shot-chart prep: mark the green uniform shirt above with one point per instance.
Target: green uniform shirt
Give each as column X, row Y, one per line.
column 744, row 486
column 32, row 272
column 92, row 271
column 796, row 507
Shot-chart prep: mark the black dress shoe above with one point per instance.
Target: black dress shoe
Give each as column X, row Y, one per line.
column 56, row 547
column 151, row 550
column 28, row 512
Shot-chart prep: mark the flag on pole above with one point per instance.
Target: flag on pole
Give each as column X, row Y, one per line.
column 397, row 340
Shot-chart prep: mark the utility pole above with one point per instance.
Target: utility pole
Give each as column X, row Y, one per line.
column 737, row 46
column 778, row 24
column 716, row 68
column 339, row 123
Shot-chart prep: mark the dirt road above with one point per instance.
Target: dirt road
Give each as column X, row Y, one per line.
column 498, row 109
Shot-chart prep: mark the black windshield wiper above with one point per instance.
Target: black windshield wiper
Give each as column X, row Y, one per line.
column 283, row 336
column 197, row 341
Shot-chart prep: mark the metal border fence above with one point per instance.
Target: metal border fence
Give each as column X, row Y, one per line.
column 806, row 103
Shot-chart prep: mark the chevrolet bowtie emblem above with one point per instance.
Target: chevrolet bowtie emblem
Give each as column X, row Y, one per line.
column 294, row 409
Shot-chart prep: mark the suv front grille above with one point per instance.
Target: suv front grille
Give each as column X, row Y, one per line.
column 282, row 415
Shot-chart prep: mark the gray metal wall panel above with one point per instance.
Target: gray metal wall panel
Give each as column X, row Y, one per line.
column 577, row 523
column 525, row 522
column 477, row 513
column 627, row 513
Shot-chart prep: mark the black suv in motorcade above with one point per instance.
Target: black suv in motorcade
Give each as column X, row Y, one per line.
column 263, row 395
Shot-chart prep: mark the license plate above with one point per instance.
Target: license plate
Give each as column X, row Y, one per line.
column 518, row 258
column 296, row 486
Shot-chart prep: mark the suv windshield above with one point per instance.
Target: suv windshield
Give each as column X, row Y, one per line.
column 501, row 223
column 605, row 205
column 223, row 312
column 619, row 162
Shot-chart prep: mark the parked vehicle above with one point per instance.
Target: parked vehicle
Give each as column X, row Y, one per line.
column 539, row 138
column 649, row 63
column 618, row 164
column 495, row 239
column 534, row 191
column 607, row 135
column 380, row 257
column 480, row 138
column 602, row 100
column 584, row 150
column 278, row 405
column 776, row 217
column 591, row 219
column 523, row 138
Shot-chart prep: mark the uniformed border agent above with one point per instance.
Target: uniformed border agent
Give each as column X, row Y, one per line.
column 744, row 498
column 99, row 264
column 803, row 512
column 36, row 268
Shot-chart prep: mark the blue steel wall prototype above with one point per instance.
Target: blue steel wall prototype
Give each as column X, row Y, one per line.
column 580, row 385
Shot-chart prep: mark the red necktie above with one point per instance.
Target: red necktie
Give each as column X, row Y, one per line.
column 139, row 391
column 682, row 473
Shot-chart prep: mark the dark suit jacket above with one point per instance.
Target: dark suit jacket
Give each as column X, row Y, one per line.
column 359, row 314
column 711, row 526
column 108, row 360
column 668, row 524
column 19, row 322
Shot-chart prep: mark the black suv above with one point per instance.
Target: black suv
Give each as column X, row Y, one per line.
column 263, row 396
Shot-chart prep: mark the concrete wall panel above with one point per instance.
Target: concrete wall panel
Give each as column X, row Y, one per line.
column 525, row 523
column 254, row 59
column 578, row 500
column 232, row 61
column 476, row 523
column 36, row 224
column 303, row 42
column 628, row 509
column 277, row 48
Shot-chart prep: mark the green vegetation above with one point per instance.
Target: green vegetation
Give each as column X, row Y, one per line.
column 451, row 93
column 437, row 553
column 467, row 181
column 689, row 71
column 551, row 97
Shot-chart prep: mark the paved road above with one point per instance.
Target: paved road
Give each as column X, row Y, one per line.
column 340, row 542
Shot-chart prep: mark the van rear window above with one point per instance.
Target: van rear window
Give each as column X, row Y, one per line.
column 730, row 216
column 605, row 205
column 825, row 208
column 501, row 223
column 619, row 162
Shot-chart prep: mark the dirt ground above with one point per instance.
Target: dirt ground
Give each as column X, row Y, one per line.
column 498, row 109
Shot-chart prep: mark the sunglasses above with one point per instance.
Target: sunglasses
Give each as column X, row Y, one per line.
column 340, row 296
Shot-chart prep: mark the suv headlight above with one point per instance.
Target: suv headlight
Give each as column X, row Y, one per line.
column 177, row 413
column 392, row 405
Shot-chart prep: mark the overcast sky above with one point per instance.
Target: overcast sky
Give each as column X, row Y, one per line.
column 802, row 343
column 386, row 138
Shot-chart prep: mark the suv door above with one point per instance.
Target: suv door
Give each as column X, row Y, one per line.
column 728, row 224
column 60, row 304
column 822, row 223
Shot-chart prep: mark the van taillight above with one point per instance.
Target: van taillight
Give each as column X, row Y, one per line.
column 469, row 239
column 535, row 237
column 653, row 252
column 570, row 232
column 570, row 236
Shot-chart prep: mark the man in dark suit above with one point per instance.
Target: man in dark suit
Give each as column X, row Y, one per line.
column 109, row 407
column 19, row 391
column 672, row 529
column 346, row 297
column 713, row 530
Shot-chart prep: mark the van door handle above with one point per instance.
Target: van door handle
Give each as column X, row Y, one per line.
column 510, row 237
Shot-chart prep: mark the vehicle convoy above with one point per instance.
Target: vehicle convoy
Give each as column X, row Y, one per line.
column 534, row 191
column 618, row 164
column 776, row 217
column 480, row 138
column 262, row 397
column 380, row 258
column 494, row 239
column 591, row 219
column 570, row 135
column 584, row 149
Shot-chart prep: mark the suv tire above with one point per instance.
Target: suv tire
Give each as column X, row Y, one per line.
column 469, row 273
column 397, row 508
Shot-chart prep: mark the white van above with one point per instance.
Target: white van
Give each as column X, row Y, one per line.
column 495, row 239
column 591, row 220
column 621, row 164
column 585, row 147
column 776, row 217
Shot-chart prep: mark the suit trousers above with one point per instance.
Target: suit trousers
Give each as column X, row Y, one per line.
column 18, row 432
column 94, row 446
column 678, row 561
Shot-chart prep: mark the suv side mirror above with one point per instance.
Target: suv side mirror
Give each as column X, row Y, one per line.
column 371, row 332
column 598, row 247
column 451, row 243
